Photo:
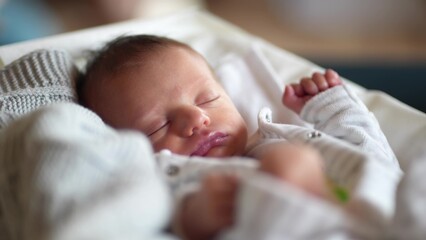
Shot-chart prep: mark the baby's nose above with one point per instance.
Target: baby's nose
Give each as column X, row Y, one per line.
column 192, row 120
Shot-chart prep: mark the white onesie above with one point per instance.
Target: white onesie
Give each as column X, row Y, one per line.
column 357, row 158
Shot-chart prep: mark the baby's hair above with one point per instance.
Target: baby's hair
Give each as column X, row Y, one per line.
column 120, row 52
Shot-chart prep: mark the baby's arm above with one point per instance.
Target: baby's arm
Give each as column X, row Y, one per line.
column 207, row 211
column 298, row 165
column 339, row 113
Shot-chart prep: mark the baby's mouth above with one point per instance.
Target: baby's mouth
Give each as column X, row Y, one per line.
column 212, row 140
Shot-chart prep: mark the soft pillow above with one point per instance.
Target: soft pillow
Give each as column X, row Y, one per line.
column 37, row 78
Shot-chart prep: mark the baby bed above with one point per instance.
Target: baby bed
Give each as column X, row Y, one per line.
column 252, row 70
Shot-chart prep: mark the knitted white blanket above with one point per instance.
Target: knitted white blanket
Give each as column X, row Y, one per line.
column 66, row 175
column 63, row 173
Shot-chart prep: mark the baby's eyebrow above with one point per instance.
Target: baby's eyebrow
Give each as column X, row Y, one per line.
column 144, row 117
column 144, row 110
column 209, row 93
column 146, row 125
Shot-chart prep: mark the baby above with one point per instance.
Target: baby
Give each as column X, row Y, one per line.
column 166, row 90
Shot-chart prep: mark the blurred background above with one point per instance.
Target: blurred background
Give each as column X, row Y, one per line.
column 379, row 44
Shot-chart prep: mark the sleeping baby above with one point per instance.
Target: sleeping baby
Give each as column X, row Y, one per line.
column 167, row 91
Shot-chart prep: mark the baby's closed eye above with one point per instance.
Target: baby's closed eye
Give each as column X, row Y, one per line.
column 205, row 101
column 157, row 128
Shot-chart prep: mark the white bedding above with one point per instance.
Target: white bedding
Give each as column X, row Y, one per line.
column 244, row 64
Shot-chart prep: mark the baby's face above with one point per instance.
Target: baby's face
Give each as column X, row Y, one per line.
column 177, row 102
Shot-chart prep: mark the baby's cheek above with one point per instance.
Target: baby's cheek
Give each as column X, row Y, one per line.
column 159, row 145
column 221, row 151
column 158, row 148
column 172, row 144
column 160, row 140
column 241, row 139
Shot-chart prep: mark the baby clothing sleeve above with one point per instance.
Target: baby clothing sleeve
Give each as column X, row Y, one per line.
column 341, row 114
column 268, row 209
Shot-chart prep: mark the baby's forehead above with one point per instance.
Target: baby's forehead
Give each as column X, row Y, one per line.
column 156, row 67
column 155, row 56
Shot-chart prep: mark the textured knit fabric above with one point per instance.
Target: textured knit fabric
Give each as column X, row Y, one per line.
column 38, row 78
column 65, row 176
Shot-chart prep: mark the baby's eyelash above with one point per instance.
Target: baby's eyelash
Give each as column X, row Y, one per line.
column 211, row 100
column 158, row 129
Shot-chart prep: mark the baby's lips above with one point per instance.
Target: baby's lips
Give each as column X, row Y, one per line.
column 213, row 139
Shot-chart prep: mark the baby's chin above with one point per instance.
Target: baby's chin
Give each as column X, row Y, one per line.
column 222, row 152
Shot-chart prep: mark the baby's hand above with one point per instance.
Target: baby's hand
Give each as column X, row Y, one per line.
column 297, row 165
column 296, row 95
column 212, row 208
column 220, row 190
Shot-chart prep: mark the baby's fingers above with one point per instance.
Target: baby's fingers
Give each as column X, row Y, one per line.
column 309, row 86
column 320, row 81
column 220, row 184
column 332, row 77
column 298, row 89
column 291, row 99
